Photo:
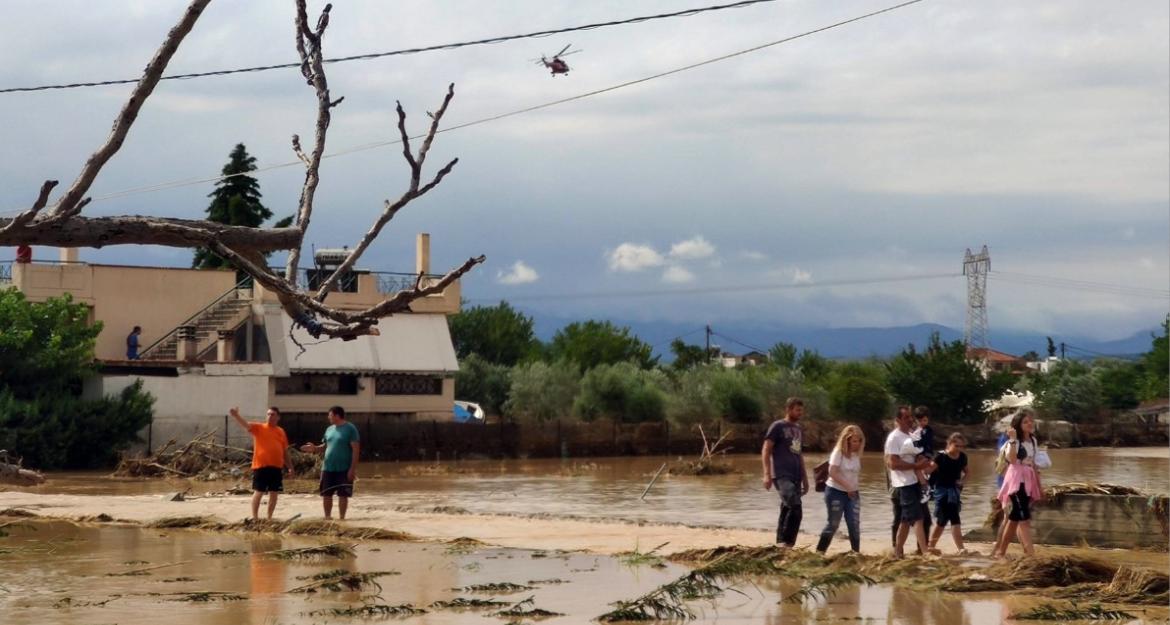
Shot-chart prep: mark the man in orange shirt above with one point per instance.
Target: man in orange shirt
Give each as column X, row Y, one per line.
column 270, row 445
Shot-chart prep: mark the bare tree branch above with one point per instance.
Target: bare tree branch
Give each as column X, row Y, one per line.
column 313, row 69
column 24, row 218
column 244, row 247
column 143, row 230
column 390, row 209
column 70, row 201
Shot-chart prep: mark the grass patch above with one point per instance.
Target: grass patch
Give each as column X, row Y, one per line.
column 465, row 603
column 1052, row 612
column 637, row 558
column 495, row 588
column 340, row 581
column 369, row 610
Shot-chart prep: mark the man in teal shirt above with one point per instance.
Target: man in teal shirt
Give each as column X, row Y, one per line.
column 342, row 452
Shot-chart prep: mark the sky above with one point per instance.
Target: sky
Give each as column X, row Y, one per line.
column 810, row 173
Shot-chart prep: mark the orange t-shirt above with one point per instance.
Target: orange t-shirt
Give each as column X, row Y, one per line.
column 270, row 443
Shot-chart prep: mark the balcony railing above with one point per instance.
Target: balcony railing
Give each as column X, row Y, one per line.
column 387, row 282
column 5, row 272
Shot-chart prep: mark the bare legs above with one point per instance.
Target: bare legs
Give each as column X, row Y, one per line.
column 904, row 532
column 256, row 497
column 956, row 534
column 342, row 505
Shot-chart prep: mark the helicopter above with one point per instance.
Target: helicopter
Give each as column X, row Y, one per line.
column 556, row 65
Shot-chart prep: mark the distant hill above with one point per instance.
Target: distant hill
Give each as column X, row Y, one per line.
column 741, row 337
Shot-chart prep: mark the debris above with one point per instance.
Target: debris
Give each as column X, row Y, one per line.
column 827, row 585
column 223, row 552
column 496, row 588
column 369, row 610
column 203, row 458
column 16, row 475
column 208, row 596
column 527, row 609
column 1094, row 612
column 332, row 550
column 637, row 558
column 464, row 603
column 144, row 571
column 708, row 463
column 340, row 580
column 652, row 480
column 17, row 512
column 463, row 545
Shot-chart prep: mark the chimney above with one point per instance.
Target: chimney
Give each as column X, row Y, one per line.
column 187, row 343
column 422, row 257
column 68, row 254
column 225, row 347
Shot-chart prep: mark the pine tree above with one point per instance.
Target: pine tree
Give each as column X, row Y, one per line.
column 235, row 201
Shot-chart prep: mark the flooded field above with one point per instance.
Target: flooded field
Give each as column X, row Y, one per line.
column 609, row 488
column 57, row 572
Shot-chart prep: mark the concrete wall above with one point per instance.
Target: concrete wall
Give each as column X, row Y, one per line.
column 156, row 298
column 196, row 401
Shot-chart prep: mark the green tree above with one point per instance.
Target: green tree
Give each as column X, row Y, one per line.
column 1071, row 393
column 594, row 343
column 46, row 353
column 686, row 355
column 814, row 366
column 783, row 355
column 1156, row 365
column 622, row 392
column 483, row 382
column 1120, row 383
column 500, row 334
column 942, row 379
column 45, row 347
column 734, row 396
column 543, row 391
column 857, row 398
column 1051, row 347
column 235, row 201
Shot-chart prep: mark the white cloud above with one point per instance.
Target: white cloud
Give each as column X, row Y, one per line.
column 634, row 257
column 677, row 275
column 800, row 276
column 753, row 255
column 692, row 249
column 520, row 273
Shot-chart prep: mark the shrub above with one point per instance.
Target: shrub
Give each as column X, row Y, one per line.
column 542, row 391
column 622, row 392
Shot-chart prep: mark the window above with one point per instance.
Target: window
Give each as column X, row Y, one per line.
column 401, row 384
column 317, row 384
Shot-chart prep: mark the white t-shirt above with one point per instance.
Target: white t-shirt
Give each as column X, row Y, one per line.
column 894, row 447
column 1029, row 449
column 850, row 469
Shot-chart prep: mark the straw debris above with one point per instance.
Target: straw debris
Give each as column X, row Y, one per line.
column 465, row 603
column 1052, row 612
column 369, row 610
column 497, row 588
column 527, row 609
column 340, row 580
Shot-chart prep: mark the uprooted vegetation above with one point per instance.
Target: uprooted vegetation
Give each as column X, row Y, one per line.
column 204, row 459
column 712, row 460
column 526, row 609
column 369, row 611
column 340, row 580
column 465, row 603
column 318, row 527
column 495, row 588
column 1058, row 576
column 1053, row 612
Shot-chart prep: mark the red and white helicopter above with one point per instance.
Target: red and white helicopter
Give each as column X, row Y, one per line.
column 556, row 65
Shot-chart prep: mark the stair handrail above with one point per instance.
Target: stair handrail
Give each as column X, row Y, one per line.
column 246, row 282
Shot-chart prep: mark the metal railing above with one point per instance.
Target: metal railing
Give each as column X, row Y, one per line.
column 242, row 284
column 5, row 272
column 387, row 282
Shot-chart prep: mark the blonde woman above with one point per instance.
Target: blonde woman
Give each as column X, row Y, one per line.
column 842, row 496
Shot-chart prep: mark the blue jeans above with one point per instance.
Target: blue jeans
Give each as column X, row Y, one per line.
column 839, row 503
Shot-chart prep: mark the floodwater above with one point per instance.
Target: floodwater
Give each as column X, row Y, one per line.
column 609, row 488
column 56, row 572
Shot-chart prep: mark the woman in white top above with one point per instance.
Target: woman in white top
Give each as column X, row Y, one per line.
column 842, row 496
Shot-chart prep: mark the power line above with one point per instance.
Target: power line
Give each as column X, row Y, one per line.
column 378, row 55
column 675, row 338
column 1080, row 285
column 1092, row 352
column 369, row 146
column 720, row 289
column 740, row 343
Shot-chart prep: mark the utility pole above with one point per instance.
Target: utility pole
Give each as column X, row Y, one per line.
column 708, row 351
column 1062, row 350
column 975, row 267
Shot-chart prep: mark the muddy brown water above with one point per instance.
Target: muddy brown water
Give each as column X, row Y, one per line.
column 609, row 488
column 56, row 572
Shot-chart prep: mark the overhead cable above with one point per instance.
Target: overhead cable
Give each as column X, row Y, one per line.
column 378, row 55
column 379, row 144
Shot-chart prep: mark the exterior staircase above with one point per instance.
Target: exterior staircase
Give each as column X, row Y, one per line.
column 226, row 313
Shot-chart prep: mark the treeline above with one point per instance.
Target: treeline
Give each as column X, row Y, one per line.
column 46, row 354
column 595, row 369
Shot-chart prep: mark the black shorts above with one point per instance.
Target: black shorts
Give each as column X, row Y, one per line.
column 947, row 512
column 268, row 480
column 1021, row 505
column 336, row 483
column 910, row 498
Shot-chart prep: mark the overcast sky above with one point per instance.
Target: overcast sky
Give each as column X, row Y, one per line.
column 879, row 149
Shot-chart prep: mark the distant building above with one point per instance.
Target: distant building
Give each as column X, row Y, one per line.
column 991, row 361
column 208, row 343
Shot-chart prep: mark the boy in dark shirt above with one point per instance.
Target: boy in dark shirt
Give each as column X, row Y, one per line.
column 949, row 475
column 923, row 437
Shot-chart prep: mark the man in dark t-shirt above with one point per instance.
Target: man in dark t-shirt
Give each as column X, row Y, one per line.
column 783, row 466
column 949, row 475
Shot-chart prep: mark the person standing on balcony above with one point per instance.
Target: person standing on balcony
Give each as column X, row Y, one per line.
column 342, row 450
column 132, row 343
column 269, row 456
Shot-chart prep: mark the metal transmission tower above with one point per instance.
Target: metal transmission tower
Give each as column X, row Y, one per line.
column 975, row 267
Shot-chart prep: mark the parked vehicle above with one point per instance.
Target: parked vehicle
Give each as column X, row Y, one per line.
column 468, row 412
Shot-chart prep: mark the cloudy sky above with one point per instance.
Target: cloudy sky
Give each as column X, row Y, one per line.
column 818, row 168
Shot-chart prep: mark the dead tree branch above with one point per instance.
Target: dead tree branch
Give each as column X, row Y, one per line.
column 244, row 247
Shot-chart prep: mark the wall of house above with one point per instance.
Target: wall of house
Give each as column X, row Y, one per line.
column 156, row 298
column 368, row 295
column 196, row 401
column 366, row 401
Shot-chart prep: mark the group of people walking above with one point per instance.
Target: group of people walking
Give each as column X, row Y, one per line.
column 925, row 485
